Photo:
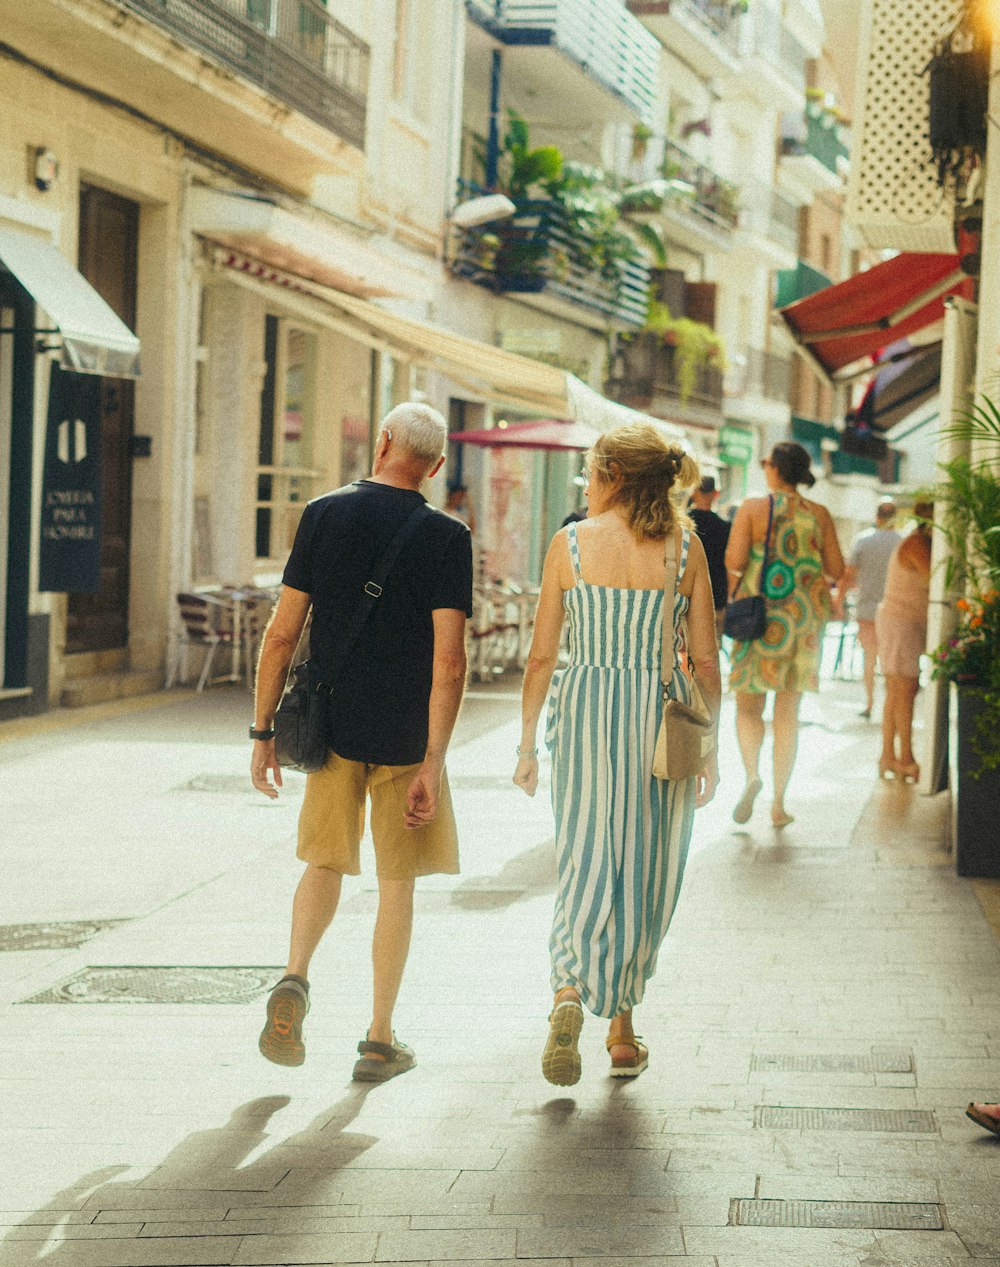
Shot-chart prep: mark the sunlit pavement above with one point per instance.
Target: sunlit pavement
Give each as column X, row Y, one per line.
column 838, row 965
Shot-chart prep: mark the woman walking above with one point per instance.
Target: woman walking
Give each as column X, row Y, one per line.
column 621, row 835
column 803, row 559
column 901, row 628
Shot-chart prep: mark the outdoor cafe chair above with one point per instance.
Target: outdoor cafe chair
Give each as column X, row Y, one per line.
column 211, row 622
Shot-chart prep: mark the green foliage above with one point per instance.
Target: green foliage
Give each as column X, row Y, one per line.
column 969, row 496
column 697, row 344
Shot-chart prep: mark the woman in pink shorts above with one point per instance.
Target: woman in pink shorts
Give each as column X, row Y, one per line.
column 901, row 629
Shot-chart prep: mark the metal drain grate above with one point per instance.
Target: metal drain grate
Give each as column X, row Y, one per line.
column 161, row 985
column 870, row 1062
column 905, row 1121
column 62, row 935
column 900, row 1216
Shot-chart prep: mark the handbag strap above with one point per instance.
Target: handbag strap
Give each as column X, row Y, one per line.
column 767, row 549
column 668, row 653
column 372, row 590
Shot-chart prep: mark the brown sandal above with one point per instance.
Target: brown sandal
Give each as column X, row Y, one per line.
column 984, row 1120
column 632, row 1065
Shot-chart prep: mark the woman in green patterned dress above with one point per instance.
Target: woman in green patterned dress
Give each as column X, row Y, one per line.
column 804, row 559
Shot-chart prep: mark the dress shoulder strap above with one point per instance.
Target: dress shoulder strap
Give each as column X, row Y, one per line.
column 574, row 552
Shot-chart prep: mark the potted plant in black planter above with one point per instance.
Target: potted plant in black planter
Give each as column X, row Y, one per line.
column 970, row 657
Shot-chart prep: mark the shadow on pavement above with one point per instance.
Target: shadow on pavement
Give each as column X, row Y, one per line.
column 526, row 875
column 205, row 1164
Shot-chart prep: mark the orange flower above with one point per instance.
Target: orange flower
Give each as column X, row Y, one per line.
column 975, row 622
column 963, row 604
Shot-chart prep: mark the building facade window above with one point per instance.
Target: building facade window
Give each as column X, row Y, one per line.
column 286, row 474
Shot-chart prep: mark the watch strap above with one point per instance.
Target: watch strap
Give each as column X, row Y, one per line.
column 261, row 734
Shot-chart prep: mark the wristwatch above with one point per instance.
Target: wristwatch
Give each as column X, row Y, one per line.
column 261, row 734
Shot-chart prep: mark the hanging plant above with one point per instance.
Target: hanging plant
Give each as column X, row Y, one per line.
column 697, row 346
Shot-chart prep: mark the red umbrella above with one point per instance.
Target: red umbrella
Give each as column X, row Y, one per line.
column 539, row 433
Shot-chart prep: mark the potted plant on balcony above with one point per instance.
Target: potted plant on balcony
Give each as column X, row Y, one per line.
column 697, row 346
column 970, row 657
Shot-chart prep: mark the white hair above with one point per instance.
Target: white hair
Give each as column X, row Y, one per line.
column 419, row 429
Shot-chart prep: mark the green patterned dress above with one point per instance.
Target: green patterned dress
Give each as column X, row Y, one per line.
column 798, row 605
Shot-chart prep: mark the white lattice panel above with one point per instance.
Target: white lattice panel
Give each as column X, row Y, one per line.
column 894, row 199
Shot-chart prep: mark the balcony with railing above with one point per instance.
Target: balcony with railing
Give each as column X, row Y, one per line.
column 293, row 49
column 536, row 250
column 600, row 37
column 813, row 147
column 646, row 369
column 704, row 33
column 774, row 62
column 698, row 199
column 771, row 221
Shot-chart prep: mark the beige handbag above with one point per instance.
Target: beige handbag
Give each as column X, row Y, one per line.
column 686, row 739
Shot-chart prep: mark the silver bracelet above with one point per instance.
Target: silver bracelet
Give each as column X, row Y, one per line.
column 532, row 753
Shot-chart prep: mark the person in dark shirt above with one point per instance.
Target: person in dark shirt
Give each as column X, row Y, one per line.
column 392, row 707
column 713, row 531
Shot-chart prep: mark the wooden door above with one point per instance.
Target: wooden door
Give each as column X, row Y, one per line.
column 109, row 250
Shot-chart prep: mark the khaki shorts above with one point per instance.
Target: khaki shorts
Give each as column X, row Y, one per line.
column 332, row 822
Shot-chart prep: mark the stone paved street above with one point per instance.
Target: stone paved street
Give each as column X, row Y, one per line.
column 840, row 966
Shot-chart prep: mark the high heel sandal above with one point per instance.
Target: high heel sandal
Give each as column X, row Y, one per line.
column 887, row 768
column 909, row 773
column 632, row 1065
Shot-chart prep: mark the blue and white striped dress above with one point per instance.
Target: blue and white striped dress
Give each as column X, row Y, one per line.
column 622, row 836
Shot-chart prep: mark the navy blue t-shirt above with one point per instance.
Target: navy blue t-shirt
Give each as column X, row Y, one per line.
column 379, row 701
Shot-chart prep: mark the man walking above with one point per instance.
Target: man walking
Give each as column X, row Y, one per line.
column 392, row 707
column 714, row 533
column 867, row 565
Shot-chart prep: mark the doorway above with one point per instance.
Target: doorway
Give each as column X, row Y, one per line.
column 109, row 255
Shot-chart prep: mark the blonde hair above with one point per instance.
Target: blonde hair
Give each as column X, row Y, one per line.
column 647, row 470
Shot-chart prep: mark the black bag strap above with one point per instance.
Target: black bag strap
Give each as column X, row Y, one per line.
column 767, row 549
column 372, row 590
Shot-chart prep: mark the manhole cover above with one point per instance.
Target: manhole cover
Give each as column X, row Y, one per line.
column 161, row 985
column 907, row 1121
column 870, row 1062
column 63, row 935
column 874, row 1215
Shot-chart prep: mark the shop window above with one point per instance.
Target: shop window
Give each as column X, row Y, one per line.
column 286, row 475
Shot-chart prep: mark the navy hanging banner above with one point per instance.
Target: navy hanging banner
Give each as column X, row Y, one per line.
column 70, row 561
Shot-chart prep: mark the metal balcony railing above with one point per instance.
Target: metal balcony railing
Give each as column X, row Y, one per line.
column 535, row 251
column 817, row 134
column 718, row 17
column 767, row 37
column 646, row 367
column 699, row 189
column 770, row 214
column 755, row 371
column 292, row 49
column 601, row 36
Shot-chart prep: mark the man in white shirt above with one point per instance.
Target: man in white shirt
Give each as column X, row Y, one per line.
column 867, row 564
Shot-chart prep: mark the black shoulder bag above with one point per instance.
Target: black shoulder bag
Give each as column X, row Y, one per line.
column 746, row 618
column 300, row 724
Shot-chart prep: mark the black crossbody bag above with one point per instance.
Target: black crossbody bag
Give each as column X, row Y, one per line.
column 746, row 618
column 300, row 724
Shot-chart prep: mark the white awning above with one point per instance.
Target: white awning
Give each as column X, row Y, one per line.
column 489, row 371
column 94, row 340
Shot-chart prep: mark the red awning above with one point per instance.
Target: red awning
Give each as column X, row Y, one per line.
column 540, row 433
column 843, row 326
